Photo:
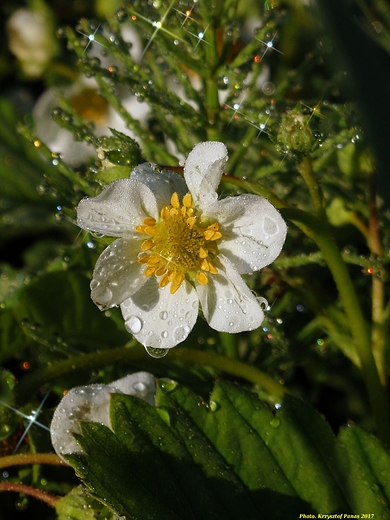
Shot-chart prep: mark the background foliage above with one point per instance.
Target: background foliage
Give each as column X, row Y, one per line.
column 291, row 418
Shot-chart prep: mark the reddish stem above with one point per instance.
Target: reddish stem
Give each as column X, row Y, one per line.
column 36, row 493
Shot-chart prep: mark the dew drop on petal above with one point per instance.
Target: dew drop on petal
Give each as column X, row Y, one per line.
column 106, row 295
column 262, row 302
column 139, row 386
column 156, row 352
column 164, row 334
column 134, row 324
column 163, row 315
column 270, row 227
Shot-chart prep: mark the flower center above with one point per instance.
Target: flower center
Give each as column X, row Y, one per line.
column 181, row 244
column 91, row 106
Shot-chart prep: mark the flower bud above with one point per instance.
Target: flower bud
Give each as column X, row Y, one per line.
column 31, row 38
column 295, row 135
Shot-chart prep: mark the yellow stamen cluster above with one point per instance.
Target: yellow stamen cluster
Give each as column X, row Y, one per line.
column 180, row 244
column 91, row 106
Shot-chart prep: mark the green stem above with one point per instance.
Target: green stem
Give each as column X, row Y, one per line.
column 319, row 231
column 230, row 344
column 72, row 176
column 122, row 354
column 211, row 85
column 238, row 155
column 306, row 170
column 257, row 189
column 360, row 225
column 22, row 459
column 379, row 321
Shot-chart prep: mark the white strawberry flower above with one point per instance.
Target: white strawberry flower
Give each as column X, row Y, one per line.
column 92, row 403
column 179, row 246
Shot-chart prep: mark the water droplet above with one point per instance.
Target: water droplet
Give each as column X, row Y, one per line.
column 275, row 423
column 164, row 414
column 214, row 406
column 139, row 386
column 168, row 386
column 156, row 352
column 164, row 334
column 134, row 324
column 163, row 315
column 21, row 504
column 180, row 333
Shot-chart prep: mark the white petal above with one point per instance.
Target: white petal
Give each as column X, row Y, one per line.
column 162, row 184
column 253, row 231
column 140, row 384
column 203, row 170
column 118, row 209
column 228, row 305
column 56, row 138
column 159, row 319
column 92, row 403
column 117, row 274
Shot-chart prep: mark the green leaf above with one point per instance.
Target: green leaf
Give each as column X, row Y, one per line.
column 12, row 338
column 172, row 458
column 110, row 475
column 76, row 505
column 59, row 303
column 169, row 462
column 229, row 458
column 366, row 476
column 112, row 174
column 251, row 440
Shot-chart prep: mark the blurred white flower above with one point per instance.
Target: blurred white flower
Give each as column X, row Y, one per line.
column 179, row 246
column 92, row 403
column 86, row 100
column 32, row 39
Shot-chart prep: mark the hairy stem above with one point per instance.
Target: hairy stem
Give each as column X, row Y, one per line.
column 107, row 357
column 306, row 170
column 21, row 459
column 50, row 500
